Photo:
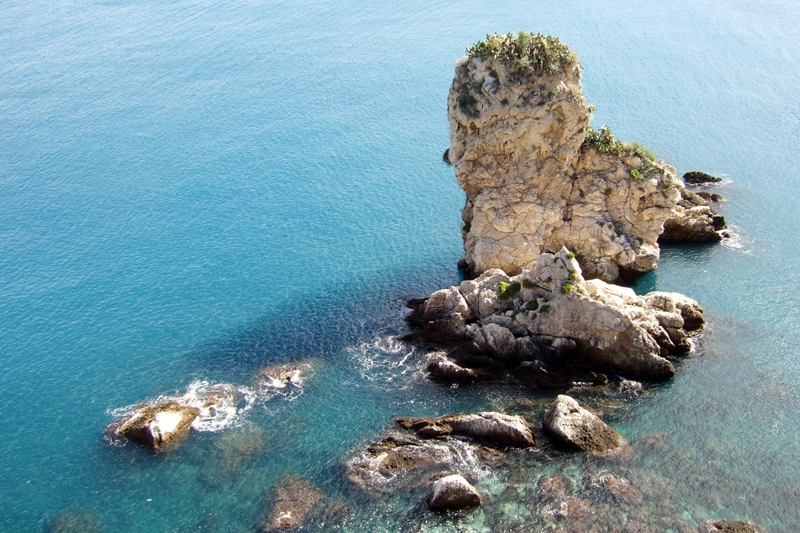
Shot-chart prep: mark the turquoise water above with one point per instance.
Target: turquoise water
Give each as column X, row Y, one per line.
column 192, row 190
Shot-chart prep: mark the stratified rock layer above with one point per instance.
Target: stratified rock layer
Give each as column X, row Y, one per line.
column 533, row 185
column 551, row 312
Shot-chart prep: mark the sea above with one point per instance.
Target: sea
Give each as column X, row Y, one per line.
column 192, row 190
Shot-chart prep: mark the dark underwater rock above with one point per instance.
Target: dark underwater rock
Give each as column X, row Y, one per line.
column 293, row 498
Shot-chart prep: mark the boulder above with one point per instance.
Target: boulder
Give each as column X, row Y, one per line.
column 730, row 526
column 452, row 492
column 577, row 427
column 700, row 178
column 491, row 427
column 293, row 497
column 159, row 425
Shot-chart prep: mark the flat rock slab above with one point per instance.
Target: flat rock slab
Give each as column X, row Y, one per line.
column 489, row 426
column 452, row 492
column 158, row 425
column 577, row 427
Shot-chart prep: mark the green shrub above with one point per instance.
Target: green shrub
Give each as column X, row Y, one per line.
column 525, row 53
column 528, row 284
column 636, row 173
column 507, row 290
column 609, row 191
column 637, row 149
column 545, row 308
column 570, row 255
column 567, row 287
column 466, row 227
column 533, row 305
column 573, row 276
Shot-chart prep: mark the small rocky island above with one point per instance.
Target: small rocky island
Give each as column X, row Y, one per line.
column 556, row 213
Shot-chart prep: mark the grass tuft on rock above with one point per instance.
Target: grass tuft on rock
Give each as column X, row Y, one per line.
column 507, row 290
column 525, row 53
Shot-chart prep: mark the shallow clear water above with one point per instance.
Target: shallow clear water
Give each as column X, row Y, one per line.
column 192, row 190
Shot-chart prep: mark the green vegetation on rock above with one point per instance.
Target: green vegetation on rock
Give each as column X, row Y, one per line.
column 525, row 53
column 605, row 143
column 507, row 290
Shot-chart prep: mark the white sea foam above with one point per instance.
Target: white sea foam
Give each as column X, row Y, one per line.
column 384, row 358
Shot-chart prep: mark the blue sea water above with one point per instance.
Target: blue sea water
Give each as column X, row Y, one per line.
column 191, row 190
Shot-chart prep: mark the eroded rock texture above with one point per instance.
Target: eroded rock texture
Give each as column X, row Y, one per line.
column 533, row 183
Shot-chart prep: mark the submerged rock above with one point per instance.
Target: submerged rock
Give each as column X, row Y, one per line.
column 538, row 178
column 488, row 426
column 158, row 425
column 730, row 526
column 452, row 492
column 293, row 498
column 75, row 522
column 552, row 315
column 581, row 429
column 620, row 489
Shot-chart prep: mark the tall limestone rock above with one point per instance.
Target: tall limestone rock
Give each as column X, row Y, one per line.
column 537, row 177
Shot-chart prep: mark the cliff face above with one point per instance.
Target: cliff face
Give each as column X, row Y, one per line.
column 534, row 183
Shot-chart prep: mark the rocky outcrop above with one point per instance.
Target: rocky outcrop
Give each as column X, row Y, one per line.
column 551, row 313
column 730, row 526
column 577, row 427
column 293, row 498
column 452, row 492
column 700, row 178
column 489, row 427
column 538, row 178
column 158, row 425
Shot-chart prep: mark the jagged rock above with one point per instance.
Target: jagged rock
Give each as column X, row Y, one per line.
column 709, row 197
column 489, row 426
column 158, row 425
column 533, row 185
column 551, row 313
column 442, row 369
column 452, row 492
column 730, row 526
column 581, row 429
column 293, row 498
column 700, row 178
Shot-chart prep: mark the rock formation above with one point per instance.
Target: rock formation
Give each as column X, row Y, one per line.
column 452, row 492
column 489, row 427
column 538, row 178
column 579, row 428
column 551, row 312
